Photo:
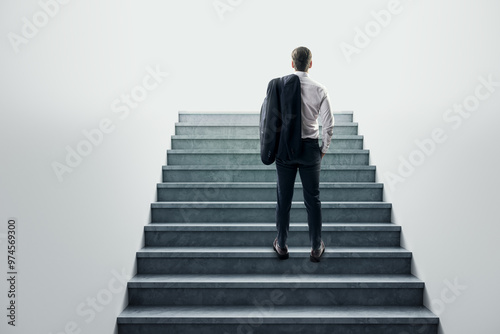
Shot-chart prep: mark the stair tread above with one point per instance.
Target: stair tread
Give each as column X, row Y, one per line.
column 218, row 136
column 268, row 252
column 261, row 167
column 278, row 314
column 267, row 281
column 271, row 226
column 208, row 123
column 266, row 184
column 254, row 151
column 263, row 205
column 193, row 112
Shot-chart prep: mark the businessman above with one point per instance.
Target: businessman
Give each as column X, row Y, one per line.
column 315, row 103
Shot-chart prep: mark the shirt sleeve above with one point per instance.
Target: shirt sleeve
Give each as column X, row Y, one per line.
column 327, row 121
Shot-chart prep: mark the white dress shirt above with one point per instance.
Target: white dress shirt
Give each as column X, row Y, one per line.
column 315, row 103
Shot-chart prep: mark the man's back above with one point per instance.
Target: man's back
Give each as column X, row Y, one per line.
column 315, row 103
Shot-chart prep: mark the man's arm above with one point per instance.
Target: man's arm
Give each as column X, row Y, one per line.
column 327, row 121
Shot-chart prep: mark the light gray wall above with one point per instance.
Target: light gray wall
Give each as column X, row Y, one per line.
column 77, row 235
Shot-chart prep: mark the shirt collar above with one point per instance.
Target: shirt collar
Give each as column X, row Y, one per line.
column 301, row 74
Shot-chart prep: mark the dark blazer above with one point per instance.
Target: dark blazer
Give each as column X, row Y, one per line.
column 281, row 121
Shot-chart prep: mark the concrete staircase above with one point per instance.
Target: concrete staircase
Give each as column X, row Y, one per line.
column 208, row 265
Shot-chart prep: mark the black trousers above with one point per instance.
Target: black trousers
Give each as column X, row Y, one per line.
column 308, row 164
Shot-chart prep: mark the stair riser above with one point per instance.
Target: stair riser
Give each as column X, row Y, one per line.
column 327, row 266
column 251, row 144
column 265, row 238
column 217, row 194
column 336, row 159
column 261, row 176
column 254, row 325
column 241, row 118
column 289, row 296
column 261, row 215
column 238, row 130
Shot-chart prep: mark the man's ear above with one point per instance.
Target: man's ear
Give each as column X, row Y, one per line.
column 311, row 64
column 293, row 65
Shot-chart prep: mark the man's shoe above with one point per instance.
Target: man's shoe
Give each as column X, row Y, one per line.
column 316, row 254
column 282, row 252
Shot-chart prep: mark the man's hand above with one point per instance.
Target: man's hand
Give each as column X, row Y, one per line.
column 322, row 155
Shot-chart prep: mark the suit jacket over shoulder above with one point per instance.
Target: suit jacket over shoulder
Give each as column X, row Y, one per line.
column 280, row 120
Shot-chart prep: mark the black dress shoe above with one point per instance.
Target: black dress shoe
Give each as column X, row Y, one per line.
column 316, row 254
column 282, row 252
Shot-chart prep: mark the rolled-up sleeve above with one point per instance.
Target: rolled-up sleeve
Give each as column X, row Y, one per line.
column 327, row 121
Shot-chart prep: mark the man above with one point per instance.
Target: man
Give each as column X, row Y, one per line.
column 314, row 103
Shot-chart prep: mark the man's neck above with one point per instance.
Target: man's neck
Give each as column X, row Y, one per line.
column 305, row 73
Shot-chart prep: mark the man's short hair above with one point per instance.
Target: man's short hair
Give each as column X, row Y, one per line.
column 301, row 57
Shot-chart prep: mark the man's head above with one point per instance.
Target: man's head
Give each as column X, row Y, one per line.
column 302, row 59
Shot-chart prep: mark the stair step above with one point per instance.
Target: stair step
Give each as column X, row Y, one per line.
column 262, row 234
column 243, row 117
column 271, row 317
column 251, row 142
column 260, row 173
column 270, row 226
column 252, row 157
column 276, row 281
column 185, row 128
column 295, row 289
column 263, row 260
column 264, row 191
column 265, row 212
column 261, row 252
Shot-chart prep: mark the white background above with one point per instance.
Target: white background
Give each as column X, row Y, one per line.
column 75, row 235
